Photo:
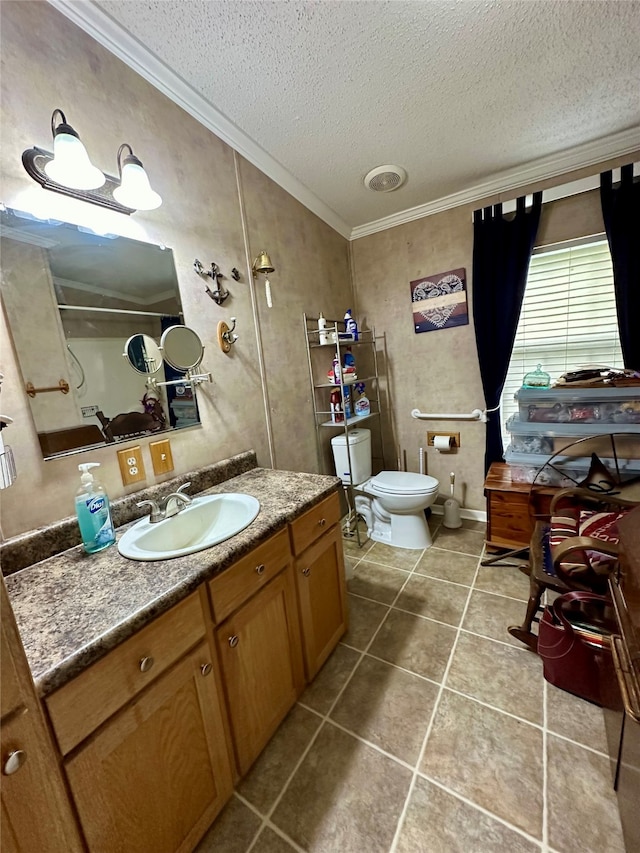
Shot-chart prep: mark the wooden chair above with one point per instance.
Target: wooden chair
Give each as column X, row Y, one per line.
column 561, row 559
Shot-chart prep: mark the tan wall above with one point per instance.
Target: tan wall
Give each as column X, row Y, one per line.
column 48, row 62
column 432, row 371
column 438, row 371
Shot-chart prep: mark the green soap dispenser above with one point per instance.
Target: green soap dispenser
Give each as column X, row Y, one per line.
column 92, row 509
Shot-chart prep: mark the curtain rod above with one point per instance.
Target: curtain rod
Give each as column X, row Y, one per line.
column 565, row 190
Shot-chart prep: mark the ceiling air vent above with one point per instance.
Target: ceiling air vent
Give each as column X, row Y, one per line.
column 385, row 179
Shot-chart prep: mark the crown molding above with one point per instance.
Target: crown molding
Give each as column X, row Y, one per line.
column 546, row 168
column 100, row 26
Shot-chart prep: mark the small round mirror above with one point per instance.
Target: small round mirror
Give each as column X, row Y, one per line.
column 182, row 347
column 143, row 354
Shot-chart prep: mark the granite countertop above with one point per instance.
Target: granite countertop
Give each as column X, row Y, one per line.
column 73, row 607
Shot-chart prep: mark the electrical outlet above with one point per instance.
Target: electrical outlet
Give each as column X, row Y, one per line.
column 131, row 465
column 161, row 456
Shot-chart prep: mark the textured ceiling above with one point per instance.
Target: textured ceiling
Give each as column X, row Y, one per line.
column 455, row 92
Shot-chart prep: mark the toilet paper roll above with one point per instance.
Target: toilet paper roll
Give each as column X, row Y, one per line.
column 442, row 443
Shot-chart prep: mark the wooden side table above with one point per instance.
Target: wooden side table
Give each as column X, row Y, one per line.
column 509, row 523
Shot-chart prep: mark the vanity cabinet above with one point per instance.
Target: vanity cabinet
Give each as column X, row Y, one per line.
column 158, row 773
column 259, row 645
column 151, row 737
column 145, row 738
column 35, row 815
column 316, row 540
column 78, row 708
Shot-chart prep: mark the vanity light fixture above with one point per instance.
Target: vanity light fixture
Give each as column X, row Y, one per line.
column 134, row 190
column 71, row 165
column 263, row 266
column 69, row 171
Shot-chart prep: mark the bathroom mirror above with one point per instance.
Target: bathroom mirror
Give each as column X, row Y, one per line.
column 182, row 348
column 143, row 354
column 75, row 301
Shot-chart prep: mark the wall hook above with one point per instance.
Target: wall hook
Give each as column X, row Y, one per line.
column 235, row 274
column 219, row 294
column 226, row 337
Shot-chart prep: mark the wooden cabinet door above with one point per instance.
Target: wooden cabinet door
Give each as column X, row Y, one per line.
column 322, row 597
column 32, row 794
column 155, row 776
column 35, row 815
column 260, row 654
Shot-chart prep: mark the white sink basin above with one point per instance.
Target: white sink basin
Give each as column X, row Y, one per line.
column 203, row 523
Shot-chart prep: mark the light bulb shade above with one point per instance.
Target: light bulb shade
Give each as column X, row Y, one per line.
column 135, row 190
column 71, row 165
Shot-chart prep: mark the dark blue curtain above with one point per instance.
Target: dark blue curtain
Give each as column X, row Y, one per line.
column 501, row 253
column 621, row 212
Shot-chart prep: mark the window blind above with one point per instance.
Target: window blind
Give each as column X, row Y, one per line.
column 568, row 316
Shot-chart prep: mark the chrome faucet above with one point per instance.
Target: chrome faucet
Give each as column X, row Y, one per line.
column 160, row 510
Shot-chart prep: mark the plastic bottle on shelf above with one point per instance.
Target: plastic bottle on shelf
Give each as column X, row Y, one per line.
column 346, row 401
column 322, row 334
column 337, row 370
column 351, row 327
column 362, row 405
column 337, row 414
column 348, row 359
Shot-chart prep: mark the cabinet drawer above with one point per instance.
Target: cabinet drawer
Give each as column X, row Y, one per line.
column 508, row 518
column 314, row 523
column 84, row 703
column 237, row 584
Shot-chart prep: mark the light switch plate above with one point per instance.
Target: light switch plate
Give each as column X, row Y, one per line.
column 131, row 465
column 161, row 456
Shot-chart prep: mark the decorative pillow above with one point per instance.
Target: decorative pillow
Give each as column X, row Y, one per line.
column 603, row 526
column 564, row 524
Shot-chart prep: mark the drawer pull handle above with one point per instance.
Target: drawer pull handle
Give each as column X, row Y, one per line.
column 146, row 664
column 205, row 669
column 306, row 572
column 233, row 641
column 322, row 522
column 260, row 569
column 14, row 761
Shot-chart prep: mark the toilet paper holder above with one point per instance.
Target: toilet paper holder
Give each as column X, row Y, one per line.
column 453, row 437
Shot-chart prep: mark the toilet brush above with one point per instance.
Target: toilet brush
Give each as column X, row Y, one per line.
column 452, row 507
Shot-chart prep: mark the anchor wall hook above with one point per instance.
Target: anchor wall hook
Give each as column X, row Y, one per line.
column 226, row 337
column 219, row 294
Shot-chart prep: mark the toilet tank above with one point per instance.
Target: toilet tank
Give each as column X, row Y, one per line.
column 360, row 452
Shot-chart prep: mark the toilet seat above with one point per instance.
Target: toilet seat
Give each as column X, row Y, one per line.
column 403, row 483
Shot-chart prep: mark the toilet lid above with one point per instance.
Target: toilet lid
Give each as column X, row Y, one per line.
column 403, row 483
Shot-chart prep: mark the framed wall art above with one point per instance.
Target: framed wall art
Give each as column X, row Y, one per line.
column 439, row 301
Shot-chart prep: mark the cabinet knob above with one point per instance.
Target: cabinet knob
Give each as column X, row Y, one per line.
column 14, row 761
column 260, row 568
column 233, row 641
column 306, row 571
column 205, row 669
column 322, row 522
column 146, row 664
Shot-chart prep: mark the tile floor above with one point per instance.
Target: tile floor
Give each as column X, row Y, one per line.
column 429, row 728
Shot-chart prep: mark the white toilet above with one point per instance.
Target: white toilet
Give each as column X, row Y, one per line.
column 393, row 502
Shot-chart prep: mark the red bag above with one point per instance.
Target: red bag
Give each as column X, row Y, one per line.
column 573, row 642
